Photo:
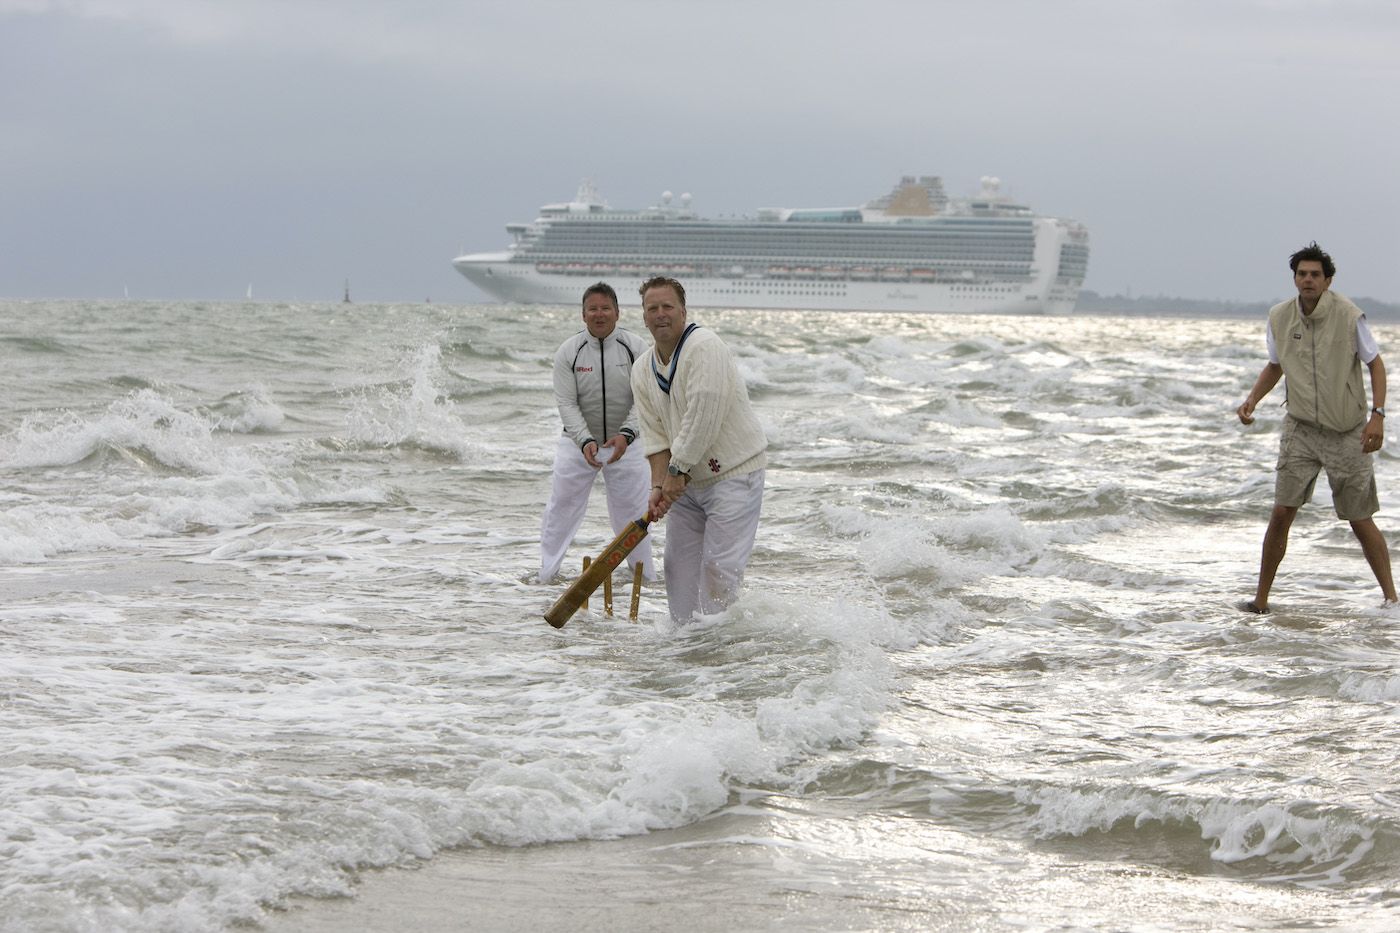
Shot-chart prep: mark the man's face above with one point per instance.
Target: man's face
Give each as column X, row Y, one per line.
column 1310, row 279
column 599, row 315
column 663, row 314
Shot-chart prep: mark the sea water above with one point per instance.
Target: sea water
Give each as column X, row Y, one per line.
column 269, row 622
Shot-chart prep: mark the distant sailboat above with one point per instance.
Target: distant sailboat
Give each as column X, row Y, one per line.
column 249, row 296
column 346, row 300
column 126, row 293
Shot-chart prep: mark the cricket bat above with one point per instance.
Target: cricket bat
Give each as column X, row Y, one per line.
column 565, row 606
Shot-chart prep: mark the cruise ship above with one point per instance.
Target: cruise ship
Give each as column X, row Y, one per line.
column 915, row 249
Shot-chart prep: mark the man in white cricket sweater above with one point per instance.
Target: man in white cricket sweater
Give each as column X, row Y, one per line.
column 593, row 389
column 1318, row 343
column 707, row 453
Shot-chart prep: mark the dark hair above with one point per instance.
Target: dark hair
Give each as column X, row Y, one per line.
column 660, row 281
column 600, row 288
column 1313, row 253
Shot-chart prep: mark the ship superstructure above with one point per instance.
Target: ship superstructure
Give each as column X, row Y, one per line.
column 915, row 249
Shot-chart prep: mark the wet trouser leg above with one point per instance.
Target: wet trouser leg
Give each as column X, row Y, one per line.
column 709, row 536
column 628, row 482
column 568, row 501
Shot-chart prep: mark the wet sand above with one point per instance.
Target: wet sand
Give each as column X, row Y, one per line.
column 657, row 882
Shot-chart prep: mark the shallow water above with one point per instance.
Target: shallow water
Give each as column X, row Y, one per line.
column 267, row 603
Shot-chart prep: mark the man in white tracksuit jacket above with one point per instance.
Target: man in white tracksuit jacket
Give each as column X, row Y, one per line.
column 592, row 387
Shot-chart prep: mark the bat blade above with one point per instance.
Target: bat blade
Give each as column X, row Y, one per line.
column 615, row 553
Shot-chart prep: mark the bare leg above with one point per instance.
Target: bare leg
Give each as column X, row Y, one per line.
column 1275, row 546
column 1377, row 554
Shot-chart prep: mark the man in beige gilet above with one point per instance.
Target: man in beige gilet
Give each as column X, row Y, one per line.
column 1317, row 343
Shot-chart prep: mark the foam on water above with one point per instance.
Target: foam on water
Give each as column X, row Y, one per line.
column 1315, row 848
column 248, row 412
column 163, row 793
column 32, row 531
column 154, row 469
column 416, row 412
column 1372, row 688
column 143, row 424
column 272, row 625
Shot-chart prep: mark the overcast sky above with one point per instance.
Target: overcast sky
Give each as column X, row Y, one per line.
column 190, row 148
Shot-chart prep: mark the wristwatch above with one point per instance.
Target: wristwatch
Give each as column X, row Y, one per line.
column 1379, row 411
column 673, row 470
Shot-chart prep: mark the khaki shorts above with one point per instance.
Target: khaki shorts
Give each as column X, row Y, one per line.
column 1305, row 449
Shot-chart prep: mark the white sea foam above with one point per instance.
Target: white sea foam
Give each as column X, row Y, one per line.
column 610, row 768
column 243, row 659
column 144, row 422
column 33, row 532
column 418, row 412
column 808, row 370
column 956, row 550
column 167, row 471
column 1370, row 688
column 248, row 412
column 1321, row 846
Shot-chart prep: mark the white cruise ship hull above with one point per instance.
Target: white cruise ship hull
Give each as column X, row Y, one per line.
column 522, row 283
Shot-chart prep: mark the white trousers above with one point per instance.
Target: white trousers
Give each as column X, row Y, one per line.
column 627, row 483
column 709, row 537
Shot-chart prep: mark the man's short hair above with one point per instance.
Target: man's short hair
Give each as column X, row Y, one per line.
column 1313, row 253
column 601, row 288
column 659, row 281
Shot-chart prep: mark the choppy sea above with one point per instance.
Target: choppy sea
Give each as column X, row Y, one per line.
column 269, row 624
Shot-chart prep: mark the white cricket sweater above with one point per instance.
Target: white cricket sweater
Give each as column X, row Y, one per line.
column 706, row 420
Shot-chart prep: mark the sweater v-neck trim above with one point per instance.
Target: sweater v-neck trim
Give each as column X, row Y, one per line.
column 664, row 382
